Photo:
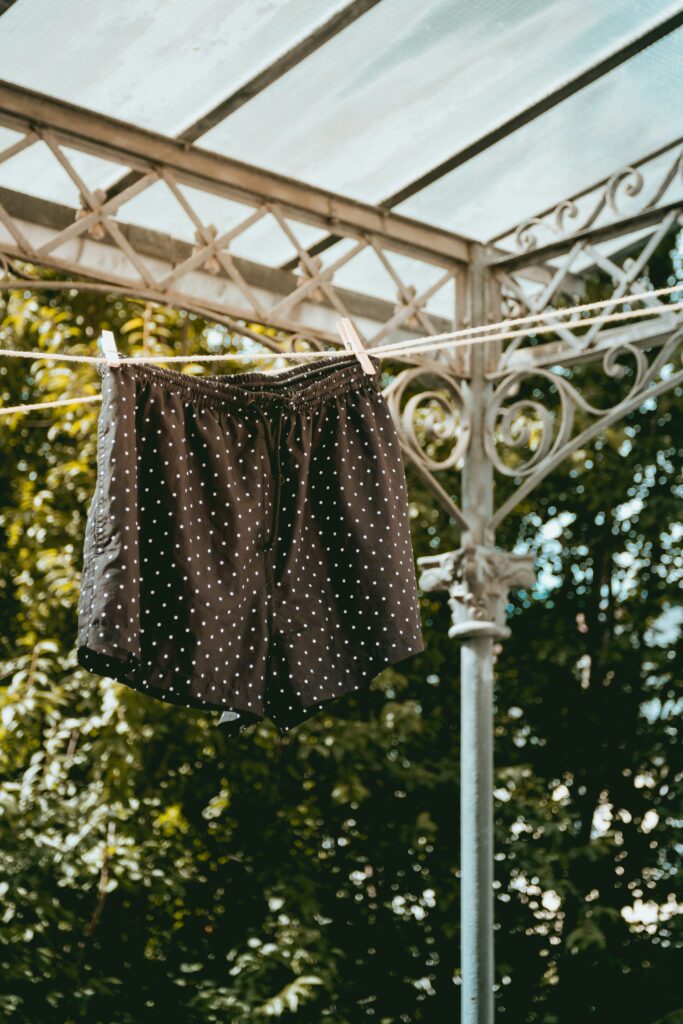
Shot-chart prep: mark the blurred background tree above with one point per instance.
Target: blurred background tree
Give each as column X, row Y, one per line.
column 149, row 866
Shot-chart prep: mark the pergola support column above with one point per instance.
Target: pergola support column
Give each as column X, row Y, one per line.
column 478, row 580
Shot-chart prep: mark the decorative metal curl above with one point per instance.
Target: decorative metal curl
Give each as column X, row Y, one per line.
column 514, row 426
column 673, row 172
column 512, row 305
column 628, row 180
column 565, row 210
column 453, row 423
column 303, row 343
column 525, row 237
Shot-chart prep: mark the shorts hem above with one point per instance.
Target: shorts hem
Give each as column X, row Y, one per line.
column 366, row 670
column 114, row 662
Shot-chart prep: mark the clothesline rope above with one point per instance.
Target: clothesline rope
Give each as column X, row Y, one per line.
column 533, row 317
column 50, row 405
column 631, row 314
column 433, row 343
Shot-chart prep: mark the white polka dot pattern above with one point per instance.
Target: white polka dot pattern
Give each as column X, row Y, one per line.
column 247, row 547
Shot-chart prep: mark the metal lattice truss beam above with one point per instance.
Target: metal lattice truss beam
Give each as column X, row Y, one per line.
column 95, row 240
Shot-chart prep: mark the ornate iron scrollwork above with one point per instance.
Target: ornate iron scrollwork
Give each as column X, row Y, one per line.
column 545, row 434
column 430, row 419
column 439, row 414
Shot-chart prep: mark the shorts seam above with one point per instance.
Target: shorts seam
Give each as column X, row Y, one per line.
column 98, row 513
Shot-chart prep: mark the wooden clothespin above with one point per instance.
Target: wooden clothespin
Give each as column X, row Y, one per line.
column 352, row 343
column 107, row 344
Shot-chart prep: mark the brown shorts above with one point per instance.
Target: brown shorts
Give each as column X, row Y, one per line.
column 247, row 547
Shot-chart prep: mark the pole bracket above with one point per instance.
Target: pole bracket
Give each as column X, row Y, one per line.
column 478, row 580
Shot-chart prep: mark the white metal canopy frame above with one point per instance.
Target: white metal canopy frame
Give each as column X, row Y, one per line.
column 498, row 410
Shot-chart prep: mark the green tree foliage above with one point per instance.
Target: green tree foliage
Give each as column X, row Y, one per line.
column 151, row 867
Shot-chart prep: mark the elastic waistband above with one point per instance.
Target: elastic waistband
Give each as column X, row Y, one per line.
column 296, row 388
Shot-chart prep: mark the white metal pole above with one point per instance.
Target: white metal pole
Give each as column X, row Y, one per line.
column 476, row 712
column 476, row 830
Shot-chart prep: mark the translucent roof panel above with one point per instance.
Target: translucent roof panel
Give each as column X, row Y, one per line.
column 621, row 117
column 409, row 84
column 384, row 101
column 159, row 66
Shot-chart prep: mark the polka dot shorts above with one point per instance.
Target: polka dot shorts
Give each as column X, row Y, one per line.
column 247, row 546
